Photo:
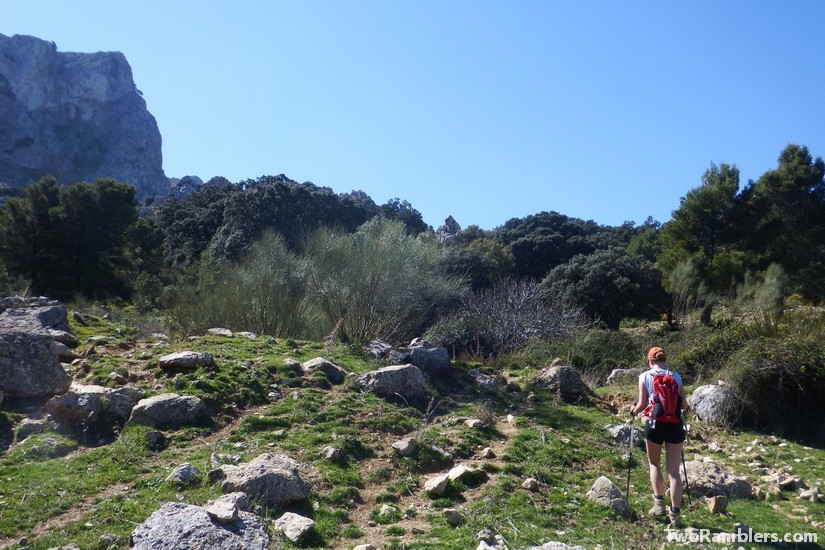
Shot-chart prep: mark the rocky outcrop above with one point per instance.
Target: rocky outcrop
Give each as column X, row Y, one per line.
column 448, row 230
column 33, row 336
column 404, row 380
column 178, row 525
column 76, row 116
column 431, row 360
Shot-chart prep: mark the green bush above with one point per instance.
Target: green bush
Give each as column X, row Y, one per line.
column 781, row 381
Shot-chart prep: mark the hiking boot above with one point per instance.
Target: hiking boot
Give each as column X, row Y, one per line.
column 675, row 519
column 658, row 507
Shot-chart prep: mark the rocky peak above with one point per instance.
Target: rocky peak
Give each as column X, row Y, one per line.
column 76, row 116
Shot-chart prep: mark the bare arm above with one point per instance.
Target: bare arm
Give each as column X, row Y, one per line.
column 642, row 402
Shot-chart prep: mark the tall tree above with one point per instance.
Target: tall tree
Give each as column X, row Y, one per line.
column 786, row 209
column 705, row 231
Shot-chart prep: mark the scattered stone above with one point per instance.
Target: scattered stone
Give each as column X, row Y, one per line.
column 473, row 423
column 606, row 493
column 531, row 484
column 84, row 406
column 486, row 535
column 183, row 474
column 332, row 453
column 718, row 504
column 168, row 409
column 406, row 447
column 269, row 479
column 553, row 545
column 237, row 499
column 453, row 516
column 436, row 485
column 220, row 332
column 334, row 373
column 811, row 494
column 708, row 479
column 399, row 380
column 487, row 453
column 563, row 381
column 186, row 361
column 365, row 547
column 484, row 380
column 464, row 472
column 621, row 434
column 294, row 526
column 178, row 525
column 293, row 365
column 510, row 419
column 387, row 510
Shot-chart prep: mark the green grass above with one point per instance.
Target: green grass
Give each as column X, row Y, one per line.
column 108, row 490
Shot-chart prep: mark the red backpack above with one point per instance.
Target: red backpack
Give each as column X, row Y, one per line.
column 666, row 404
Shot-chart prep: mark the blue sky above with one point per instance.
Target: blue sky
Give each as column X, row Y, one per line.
column 600, row 110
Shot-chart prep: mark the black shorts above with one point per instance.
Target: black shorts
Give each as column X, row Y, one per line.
column 670, row 433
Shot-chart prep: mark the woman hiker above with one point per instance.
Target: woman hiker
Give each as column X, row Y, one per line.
column 661, row 431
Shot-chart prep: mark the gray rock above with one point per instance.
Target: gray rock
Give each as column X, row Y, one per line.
column 564, row 381
column 178, row 525
column 553, row 545
column 708, row 479
column 606, row 493
column 274, row 480
column 76, row 116
column 365, row 547
column 406, row 446
column 621, row 434
column 186, row 361
column 237, row 499
column 294, row 526
column 169, row 409
column 436, row 485
column 220, row 332
column 486, row 381
column 334, row 373
column 404, row 380
column 29, row 354
column 531, row 484
column 464, row 472
column 30, row 426
column 332, row 453
column 183, row 474
column 378, row 349
column 453, row 516
column 222, row 511
column 448, row 230
column 433, row 361
column 714, row 404
column 84, row 406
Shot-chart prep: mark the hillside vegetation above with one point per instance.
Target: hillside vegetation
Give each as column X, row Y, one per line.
column 64, row 488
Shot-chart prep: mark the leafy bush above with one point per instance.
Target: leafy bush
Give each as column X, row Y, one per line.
column 781, row 381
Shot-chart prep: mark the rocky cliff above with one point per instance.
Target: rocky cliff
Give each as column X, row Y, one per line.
column 76, row 116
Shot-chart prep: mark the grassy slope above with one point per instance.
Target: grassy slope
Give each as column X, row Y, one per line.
column 109, row 489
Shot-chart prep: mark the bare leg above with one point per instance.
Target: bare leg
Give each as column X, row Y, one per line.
column 674, row 458
column 654, row 457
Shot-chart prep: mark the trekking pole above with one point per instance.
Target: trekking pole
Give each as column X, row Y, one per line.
column 684, row 469
column 629, row 458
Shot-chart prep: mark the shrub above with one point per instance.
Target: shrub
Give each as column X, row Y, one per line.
column 504, row 318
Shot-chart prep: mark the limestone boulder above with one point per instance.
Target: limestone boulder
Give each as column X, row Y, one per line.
column 274, row 480
column 563, row 381
column 432, row 361
column 186, row 361
column 333, row 372
column 715, row 404
column 168, row 410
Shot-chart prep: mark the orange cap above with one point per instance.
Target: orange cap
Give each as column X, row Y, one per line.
column 656, row 354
